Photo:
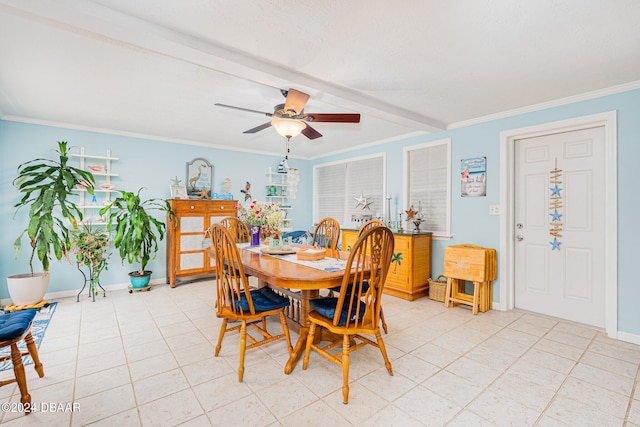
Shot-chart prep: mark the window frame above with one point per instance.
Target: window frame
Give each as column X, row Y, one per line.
column 315, row 198
column 441, row 235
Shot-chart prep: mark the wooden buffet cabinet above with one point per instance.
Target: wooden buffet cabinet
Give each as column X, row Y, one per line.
column 185, row 255
column 410, row 269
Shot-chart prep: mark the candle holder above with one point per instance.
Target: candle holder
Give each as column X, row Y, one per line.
column 400, row 229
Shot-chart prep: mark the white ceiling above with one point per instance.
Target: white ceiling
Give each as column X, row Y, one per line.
column 157, row 67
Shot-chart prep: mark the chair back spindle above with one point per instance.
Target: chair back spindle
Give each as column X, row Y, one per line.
column 327, row 234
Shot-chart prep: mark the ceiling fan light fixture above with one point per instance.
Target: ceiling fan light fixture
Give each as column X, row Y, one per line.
column 288, row 128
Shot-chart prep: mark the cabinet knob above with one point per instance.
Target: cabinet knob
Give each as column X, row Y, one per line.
column 192, row 207
column 221, row 208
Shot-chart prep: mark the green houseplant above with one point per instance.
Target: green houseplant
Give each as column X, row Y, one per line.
column 137, row 232
column 47, row 187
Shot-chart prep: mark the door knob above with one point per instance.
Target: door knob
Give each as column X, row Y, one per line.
column 519, row 238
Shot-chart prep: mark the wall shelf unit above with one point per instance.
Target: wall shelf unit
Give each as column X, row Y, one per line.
column 279, row 191
column 100, row 167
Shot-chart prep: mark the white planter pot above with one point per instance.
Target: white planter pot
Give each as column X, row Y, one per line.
column 25, row 289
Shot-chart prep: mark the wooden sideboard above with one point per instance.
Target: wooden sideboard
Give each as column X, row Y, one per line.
column 410, row 269
column 185, row 255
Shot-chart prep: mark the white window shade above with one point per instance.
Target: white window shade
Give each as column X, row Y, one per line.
column 428, row 184
column 337, row 185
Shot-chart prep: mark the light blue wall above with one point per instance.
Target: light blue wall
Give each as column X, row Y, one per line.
column 470, row 219
column 142, row 163
column 152, row 164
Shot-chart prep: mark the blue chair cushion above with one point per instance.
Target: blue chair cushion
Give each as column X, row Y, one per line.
column 327, row 307
column 264, row 299
column 365, row 287
column 13, row 325
column 301, row 237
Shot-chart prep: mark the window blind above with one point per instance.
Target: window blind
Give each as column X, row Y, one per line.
column 428, row 171
column 337, row 185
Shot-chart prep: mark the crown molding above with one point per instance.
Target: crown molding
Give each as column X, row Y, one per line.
column 549, row 104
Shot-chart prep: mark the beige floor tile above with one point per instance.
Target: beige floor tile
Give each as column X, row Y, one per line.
column 606, row 401
column 171, row 410
column 423, row 404
column 220, row 392
column 609, row 364
column 455, row 389
column 147, row 359
column 387, row 386
column 101, row 381
column 602, row 378
column 503, row 411
column 160, row 385
column 414, row 368
column 576, row 412
column 154, row 365
column 105, row 404
column 246, row 411
column 286, row 396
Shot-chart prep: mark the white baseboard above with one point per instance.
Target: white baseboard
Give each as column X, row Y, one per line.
column 627, row 337
column 73, row 292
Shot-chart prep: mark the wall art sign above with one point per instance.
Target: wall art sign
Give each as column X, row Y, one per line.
column 473, row 177
column 199, row 178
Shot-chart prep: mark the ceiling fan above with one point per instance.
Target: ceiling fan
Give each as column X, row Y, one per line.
column 289, row 119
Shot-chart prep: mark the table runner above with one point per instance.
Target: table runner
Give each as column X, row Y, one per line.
column 326, row 264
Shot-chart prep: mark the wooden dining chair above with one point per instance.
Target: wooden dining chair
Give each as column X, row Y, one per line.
column 236, row 302
column 326, row 234
column 369, row 224
column 238, row 229
column 366, row 226
column 15, row 327
column 356, row 311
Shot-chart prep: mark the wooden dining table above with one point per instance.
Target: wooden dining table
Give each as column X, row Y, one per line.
column 279, row 273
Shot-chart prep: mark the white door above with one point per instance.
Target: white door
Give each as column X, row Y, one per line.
column 560, row 230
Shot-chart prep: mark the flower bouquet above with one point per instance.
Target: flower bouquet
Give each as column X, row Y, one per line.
column 262, row 218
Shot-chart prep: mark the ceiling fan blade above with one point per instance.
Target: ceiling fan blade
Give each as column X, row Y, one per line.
column 335, row 118
column 244, row 109
column 295, row 102
column 258, row 128
column 311, row 133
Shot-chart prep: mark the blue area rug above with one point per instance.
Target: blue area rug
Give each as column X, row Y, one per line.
column 38, row 328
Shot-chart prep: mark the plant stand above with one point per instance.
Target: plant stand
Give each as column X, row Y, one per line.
column 92, row 281
column 145, row 289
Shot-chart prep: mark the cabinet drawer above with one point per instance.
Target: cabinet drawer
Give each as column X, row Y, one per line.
column 187, row 206
column 222, row 209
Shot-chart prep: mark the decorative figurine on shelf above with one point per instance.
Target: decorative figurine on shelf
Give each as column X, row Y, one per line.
column 246, row 191
column 272, row 191
column 363, row 202
column 415, row 217
column 204, row 194
column 282, row 167
column 193, row 179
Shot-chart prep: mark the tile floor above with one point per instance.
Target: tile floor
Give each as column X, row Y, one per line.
column 147, row 359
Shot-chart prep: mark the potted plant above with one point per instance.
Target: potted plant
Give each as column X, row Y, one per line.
column 47, row 186
column 90, row 246
column 137, row 232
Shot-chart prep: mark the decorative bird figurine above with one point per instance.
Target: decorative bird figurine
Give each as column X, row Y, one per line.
column 246, row 191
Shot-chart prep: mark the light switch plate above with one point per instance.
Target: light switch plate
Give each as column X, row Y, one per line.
column 494, row 209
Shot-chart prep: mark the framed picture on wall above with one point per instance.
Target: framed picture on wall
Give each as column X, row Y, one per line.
column 199, row 178
column 473, row 177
